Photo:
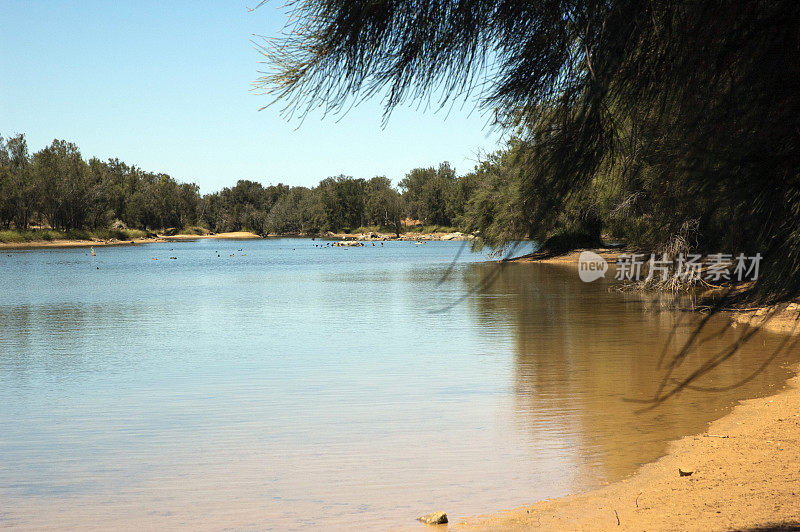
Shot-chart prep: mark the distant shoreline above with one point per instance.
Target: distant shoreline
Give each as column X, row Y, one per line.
column 405, row 236
column 67, row 243
column 235, row 235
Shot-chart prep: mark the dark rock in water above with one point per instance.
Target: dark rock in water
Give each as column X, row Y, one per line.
column 436, row 518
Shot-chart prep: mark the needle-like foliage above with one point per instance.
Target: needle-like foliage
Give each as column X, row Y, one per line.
column 692, row 107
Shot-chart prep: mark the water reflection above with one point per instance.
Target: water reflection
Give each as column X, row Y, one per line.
column 580, row 351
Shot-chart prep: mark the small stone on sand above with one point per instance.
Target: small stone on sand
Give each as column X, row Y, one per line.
column 436, row 518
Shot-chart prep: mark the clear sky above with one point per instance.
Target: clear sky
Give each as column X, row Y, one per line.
column 166, row 85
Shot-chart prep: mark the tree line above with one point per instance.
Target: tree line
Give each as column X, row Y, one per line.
column 57, row 187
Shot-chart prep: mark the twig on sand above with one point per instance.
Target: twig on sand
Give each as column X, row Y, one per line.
column 615, row 513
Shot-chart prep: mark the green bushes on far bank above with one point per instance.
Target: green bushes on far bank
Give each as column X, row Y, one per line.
column 11, row 236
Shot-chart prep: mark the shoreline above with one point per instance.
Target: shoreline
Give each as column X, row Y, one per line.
column 407, row 236
column 568, row 257
column 744, row 465
column 34, row 244
column 744, row 478
column 236, row 235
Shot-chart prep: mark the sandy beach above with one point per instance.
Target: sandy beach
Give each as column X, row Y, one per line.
column 745, row 468
column 745, row 471
column 238, row 235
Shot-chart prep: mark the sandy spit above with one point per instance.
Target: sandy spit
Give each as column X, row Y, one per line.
column 238, row 235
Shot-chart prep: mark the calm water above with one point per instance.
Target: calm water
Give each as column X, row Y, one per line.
column 280, row 385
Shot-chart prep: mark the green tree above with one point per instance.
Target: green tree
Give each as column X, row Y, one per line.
column 20, row 195
column 62, row 179
column 343, row 200
column 384, row 205
column 431, row 193
column 690, row 108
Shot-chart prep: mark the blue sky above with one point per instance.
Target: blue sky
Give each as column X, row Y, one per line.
column 166, row 85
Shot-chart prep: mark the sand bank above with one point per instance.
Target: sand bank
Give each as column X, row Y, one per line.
column 569, row 257
column 238, row 235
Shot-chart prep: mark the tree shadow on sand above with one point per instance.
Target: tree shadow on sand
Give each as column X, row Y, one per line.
column 773, row 527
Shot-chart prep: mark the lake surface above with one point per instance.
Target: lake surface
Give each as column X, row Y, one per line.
column 273, row 384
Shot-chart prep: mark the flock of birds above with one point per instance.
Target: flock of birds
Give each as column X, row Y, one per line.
column 216, row 251
column 326, row 245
